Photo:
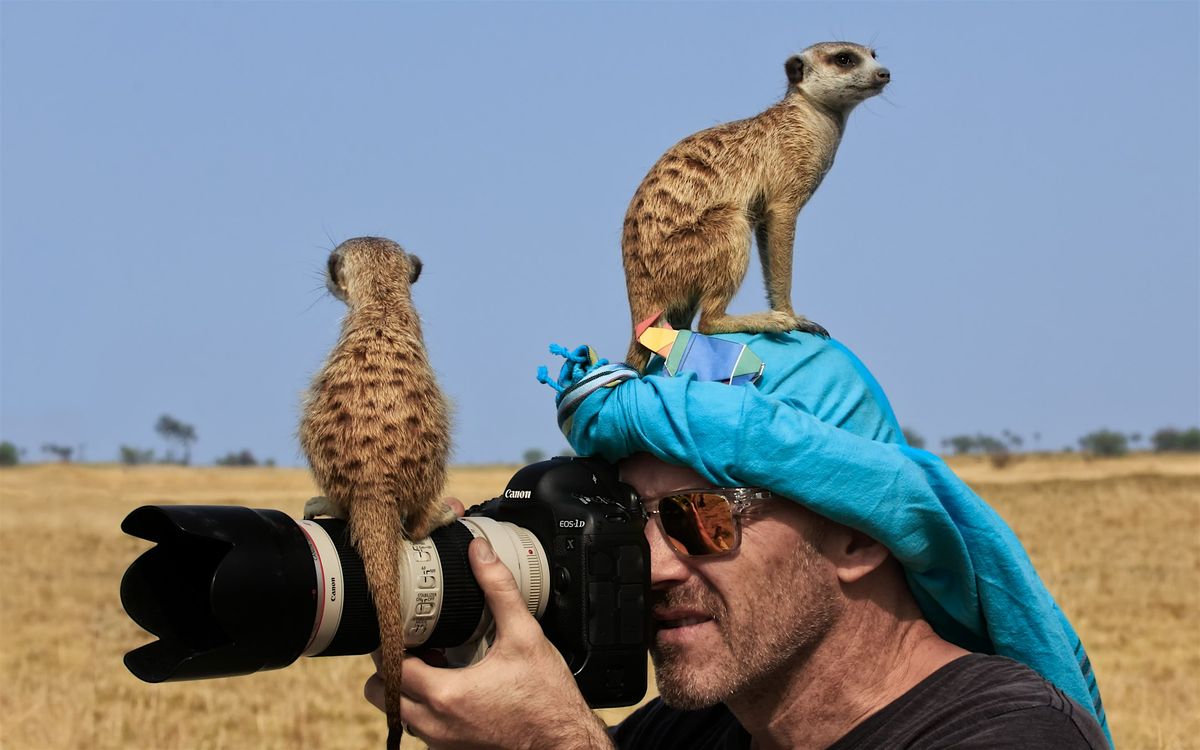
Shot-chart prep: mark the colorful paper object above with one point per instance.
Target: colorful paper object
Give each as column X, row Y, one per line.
column 709, row 357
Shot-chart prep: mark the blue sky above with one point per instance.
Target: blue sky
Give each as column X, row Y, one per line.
column 1010, row 238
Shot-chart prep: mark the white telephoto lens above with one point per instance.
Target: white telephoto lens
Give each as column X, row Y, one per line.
column 422, row 580
column 330, row 587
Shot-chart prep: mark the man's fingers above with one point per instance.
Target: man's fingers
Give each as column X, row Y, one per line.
column 373, row 691
column 499, row 588
column 417, row 718
column 418, row 680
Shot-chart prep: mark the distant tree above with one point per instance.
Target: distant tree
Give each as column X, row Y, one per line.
column 533, row 455
column 1104, row 443
column 1189, row 440
column 63, row 452
column 174, row 431
column 960, row 444
column 1014, row 440
column 1170, row 439
column 131, row 456
column 240, row 458
column 9, row 455
column 912, row 437
column 269, row 462
column 989, row 444
column 996, row 450
column 1165, row 440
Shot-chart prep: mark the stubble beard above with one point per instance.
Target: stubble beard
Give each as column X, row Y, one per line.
column 790, row 611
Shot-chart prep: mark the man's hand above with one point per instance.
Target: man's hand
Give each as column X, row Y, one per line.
column 520, row 695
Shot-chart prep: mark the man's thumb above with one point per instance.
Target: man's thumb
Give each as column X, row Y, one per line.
column 500, row 590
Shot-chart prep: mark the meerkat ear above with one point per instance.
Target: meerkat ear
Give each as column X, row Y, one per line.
column 795, row 69
column 416, row 269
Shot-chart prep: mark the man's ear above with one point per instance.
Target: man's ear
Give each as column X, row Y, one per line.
column 795, row 69
column 853, row 554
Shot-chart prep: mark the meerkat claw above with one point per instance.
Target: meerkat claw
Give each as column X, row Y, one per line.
column 807, row 326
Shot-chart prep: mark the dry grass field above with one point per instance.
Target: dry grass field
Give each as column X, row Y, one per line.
column 1117, row 541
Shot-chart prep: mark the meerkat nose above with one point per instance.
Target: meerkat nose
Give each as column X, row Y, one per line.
column 883, row 74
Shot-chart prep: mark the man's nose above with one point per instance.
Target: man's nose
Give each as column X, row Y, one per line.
column 666, row 567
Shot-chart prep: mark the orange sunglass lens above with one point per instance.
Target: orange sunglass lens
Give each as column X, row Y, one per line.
column 699, row 524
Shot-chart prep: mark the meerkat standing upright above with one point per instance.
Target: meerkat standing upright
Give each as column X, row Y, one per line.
column 376, row 432
column 686, row 239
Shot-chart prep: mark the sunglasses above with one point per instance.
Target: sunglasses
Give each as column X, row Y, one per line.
column 703, row 523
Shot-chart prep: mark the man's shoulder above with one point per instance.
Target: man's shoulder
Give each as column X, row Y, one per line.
column 657, row 725
column 979, row 701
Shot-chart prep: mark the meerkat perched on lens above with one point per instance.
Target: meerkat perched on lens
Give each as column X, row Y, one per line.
column 376, row 431
column 687, row 234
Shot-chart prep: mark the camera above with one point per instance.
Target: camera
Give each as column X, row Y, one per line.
column 230, row 590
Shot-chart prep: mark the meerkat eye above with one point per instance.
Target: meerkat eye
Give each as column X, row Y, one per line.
column 845, row 59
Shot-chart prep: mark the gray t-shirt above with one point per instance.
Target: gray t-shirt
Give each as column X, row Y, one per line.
column 975, row 702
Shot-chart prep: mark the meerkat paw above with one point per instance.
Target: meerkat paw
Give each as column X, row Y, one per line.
column 434, row 518
column 771, row 321
column 322, row 506
column 447, row 516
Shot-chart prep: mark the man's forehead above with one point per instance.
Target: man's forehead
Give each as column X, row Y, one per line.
column 651, row 476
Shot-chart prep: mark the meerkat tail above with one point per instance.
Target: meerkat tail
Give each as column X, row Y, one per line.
column 638, row 356
column 383, row 535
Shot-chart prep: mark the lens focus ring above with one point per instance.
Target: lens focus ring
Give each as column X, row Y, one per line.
column 462, row 599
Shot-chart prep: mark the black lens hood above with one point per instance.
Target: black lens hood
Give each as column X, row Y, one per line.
column 227, row 591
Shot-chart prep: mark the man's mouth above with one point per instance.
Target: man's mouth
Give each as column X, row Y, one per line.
column 679, row 619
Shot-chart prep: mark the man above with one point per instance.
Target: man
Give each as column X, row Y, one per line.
column 774, row 625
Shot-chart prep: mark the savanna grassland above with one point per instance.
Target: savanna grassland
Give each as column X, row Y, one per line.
column 1117, row 541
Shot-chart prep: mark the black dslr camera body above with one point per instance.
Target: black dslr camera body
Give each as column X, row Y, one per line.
column 231, row 590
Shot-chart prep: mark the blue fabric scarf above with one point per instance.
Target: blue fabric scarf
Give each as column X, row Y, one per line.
column 817, row 428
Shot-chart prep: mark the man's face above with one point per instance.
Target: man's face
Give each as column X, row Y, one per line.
column 725, row 624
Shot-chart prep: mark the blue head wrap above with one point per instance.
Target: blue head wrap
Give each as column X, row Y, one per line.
column 817, row 428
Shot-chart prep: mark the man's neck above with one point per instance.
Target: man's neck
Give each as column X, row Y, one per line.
column 869, row 659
